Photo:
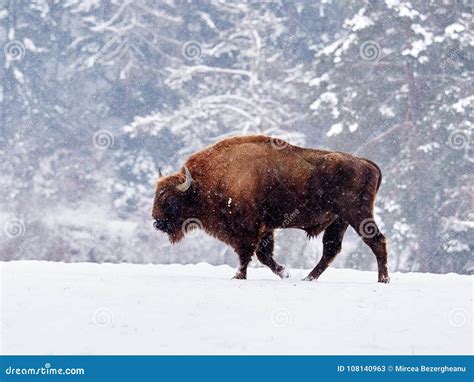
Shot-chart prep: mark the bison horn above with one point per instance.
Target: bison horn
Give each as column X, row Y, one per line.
column 159, row 172
column 187, row 183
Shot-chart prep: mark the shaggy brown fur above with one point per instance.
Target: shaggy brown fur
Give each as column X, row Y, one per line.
column 243, row 188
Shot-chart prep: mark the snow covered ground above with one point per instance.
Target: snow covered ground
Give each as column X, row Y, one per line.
column 58, row 308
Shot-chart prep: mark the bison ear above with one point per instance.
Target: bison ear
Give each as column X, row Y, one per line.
column 160, row 174
column 183, row 187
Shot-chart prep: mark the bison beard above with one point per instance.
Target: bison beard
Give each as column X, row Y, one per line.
column 241, row 189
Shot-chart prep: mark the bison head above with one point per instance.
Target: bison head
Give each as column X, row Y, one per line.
column 173, row 204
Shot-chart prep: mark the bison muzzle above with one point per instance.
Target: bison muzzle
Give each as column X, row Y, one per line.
column 241, row 189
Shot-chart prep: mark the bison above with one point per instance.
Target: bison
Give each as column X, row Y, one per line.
column 241, row 189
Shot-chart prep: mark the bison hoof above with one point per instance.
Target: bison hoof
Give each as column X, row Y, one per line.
column 384, row 280
column 309, row 278
column 283, row 273
column 239, row 276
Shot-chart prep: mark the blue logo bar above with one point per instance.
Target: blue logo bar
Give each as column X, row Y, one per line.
column 236, row 368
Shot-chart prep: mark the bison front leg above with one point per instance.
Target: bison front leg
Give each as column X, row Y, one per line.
column 265, row 255
column 332, row 244
column 245, row 253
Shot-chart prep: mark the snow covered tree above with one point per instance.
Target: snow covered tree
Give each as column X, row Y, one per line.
column 393, row 85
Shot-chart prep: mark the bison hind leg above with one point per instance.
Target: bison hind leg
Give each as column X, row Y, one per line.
column 265, row 255
column 366, row 227
column 332, row 244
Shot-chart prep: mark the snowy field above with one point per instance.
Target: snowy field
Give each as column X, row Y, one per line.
column 57, row 308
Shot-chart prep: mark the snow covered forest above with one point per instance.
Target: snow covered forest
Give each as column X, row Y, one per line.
column 97, row 96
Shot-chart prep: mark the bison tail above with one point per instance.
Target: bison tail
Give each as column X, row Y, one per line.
column 378, row 169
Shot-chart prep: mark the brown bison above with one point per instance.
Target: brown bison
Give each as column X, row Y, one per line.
column 241, row 189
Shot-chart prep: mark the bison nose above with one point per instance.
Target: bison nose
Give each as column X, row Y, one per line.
column 159, row 224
